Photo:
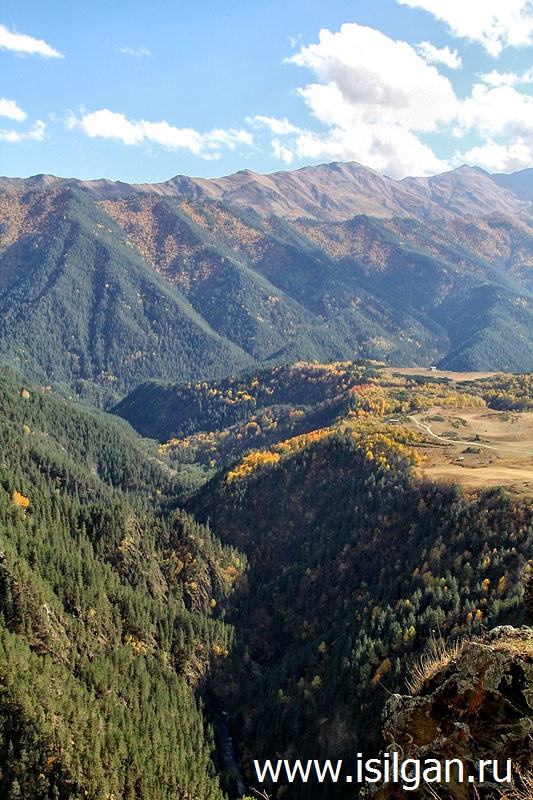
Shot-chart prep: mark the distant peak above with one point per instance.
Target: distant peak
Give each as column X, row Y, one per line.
column 467, row 168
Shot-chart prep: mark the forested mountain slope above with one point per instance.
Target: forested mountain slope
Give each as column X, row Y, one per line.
column 354, row 568
column 357, row 563
column 113, row 288
column 78, row 303
column 108, row 612
column 167, row 411
column 329, row 565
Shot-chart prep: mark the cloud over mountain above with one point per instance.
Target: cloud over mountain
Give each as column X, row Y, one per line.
column 113, row 125
column 376, row 95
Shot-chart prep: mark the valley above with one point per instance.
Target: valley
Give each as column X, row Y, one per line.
column 266, row 442
column 266, row 400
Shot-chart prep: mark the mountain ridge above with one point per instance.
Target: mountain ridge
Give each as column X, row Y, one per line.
column 102, row 283
column 334, row 191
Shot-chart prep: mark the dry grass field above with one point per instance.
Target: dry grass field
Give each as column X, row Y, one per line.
column 440, row 374
column 477, row 447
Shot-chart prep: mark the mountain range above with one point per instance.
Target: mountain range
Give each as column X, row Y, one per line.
column 334, row 191
column 259, row 581
column 104, row 285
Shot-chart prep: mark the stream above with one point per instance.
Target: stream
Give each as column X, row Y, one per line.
column 230, row 765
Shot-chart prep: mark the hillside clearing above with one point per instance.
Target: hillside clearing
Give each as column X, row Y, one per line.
column 478, row 449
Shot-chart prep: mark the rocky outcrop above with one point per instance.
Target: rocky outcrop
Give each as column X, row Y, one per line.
column 473, row 705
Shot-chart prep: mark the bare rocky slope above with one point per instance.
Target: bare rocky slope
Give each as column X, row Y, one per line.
column 335, row 191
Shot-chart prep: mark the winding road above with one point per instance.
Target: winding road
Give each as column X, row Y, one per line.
column 507, row 448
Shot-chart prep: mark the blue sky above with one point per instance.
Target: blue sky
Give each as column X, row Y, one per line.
column 140, row 93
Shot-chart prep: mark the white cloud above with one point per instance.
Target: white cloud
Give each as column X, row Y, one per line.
column 26, row 45
column 501, row 157
column 373, row 100
column 495, row 24
column 282, row 152
column 503, row 117
column 279, row 127
column 390, row 149
column 498, row 111
column 36, row 134
column 109, row 125
column 367, row 77
column 434, row 55
column 496, row 78
column 131, row 51
column 112, row 125
column 378, row 99
column 376, row 96
column 9, row 109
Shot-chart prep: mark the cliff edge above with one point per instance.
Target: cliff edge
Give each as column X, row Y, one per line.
column 471, row 704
